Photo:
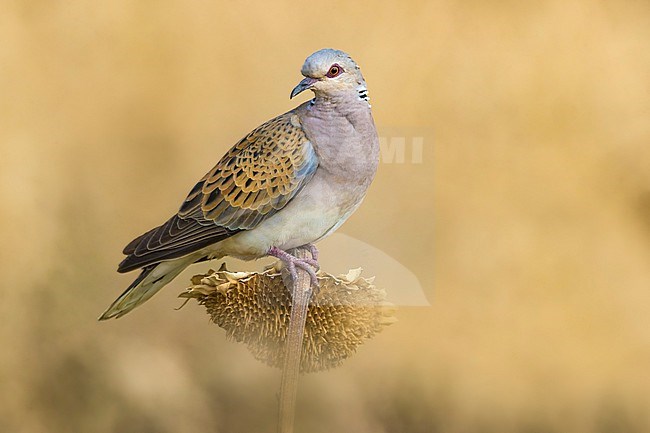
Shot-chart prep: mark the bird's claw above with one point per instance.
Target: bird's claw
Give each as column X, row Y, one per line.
column 311, row 262
column 314, row 252
column 307, row 266
column 310, row 266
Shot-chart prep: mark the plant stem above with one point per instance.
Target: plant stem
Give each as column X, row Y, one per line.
column 301, row 294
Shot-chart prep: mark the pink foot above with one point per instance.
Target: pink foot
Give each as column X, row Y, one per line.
column 314, row 253
column 291, row 262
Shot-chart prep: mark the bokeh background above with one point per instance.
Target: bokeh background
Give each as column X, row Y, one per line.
column 527, row 220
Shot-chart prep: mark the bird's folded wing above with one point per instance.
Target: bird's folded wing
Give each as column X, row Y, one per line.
column 255, row 179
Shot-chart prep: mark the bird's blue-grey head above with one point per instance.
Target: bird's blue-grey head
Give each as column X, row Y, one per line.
column 330, row 72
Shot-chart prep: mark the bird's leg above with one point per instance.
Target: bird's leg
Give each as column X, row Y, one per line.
column 291, row 262
column 314, row 254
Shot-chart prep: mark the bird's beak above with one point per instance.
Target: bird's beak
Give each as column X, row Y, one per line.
column 305, row 84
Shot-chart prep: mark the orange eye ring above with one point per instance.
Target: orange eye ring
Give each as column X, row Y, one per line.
column 335, row 70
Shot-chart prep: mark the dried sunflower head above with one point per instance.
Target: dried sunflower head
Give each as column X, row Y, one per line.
column 255, row 307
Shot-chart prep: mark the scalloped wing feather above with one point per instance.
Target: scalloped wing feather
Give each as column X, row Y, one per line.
column 256, row 178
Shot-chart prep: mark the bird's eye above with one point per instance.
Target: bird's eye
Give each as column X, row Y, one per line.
column 334, row 71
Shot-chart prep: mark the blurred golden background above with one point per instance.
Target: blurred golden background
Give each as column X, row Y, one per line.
column 527, row 221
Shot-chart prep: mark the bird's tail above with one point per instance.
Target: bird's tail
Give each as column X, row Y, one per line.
column 152, row 279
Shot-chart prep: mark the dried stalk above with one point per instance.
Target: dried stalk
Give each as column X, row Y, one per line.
column 301, row 294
